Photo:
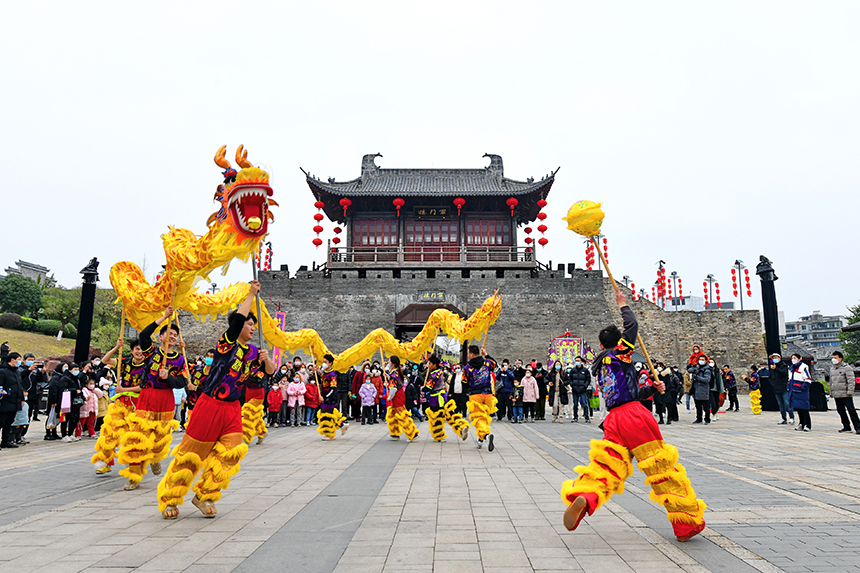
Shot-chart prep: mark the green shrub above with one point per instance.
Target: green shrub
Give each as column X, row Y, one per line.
column 11, row 320
column 69, row 331
column 49, row 327
column 29, row 324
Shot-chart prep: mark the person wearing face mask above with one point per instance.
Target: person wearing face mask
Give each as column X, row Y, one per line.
column 717, row 396
column 312, row 400
column 398, row 418
column 275, row 400
column 799, row 381
column 701, row 378
column 380, row 406
column 55, row 393
column 779, row 382
column 439, row 408
column 754, row 383
column 557, row 391
column 479, row 372
column 630, row 431
column 506, row 379
column 34, row 378
column 296, row 391
column 329, row 417
column 842, row 390
column 580, row 382
column 213, row 442
column 72, row 389
column 731, row 388
column 89, row 409
column 12, row 398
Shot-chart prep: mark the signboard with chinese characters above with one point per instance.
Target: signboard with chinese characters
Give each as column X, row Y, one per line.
column 435, row 212
column 566, row 349
column 431, row 296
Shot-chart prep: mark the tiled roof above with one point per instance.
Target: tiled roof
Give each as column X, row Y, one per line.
column 375, row 181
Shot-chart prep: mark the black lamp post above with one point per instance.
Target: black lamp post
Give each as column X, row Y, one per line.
column 768, row 301
column 85, row 317
column 710, row 280
column 675, row 301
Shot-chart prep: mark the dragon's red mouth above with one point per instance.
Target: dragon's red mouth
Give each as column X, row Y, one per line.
column 249, row 207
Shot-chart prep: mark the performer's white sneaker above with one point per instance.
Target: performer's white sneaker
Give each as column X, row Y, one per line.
column 102, row 468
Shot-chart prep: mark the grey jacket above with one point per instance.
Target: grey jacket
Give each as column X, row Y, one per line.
column 842, row 381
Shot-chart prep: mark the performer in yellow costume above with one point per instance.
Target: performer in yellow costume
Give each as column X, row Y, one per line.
column 398, row 418
column 439, row 408
column 480, row 373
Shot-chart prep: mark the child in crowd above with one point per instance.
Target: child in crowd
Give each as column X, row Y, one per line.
column 312, row 401
column 275, row 400
column 517, row 402
column 104, row 400
column 90, row 408
column 296, row 391
column 367, row 392
column 379, row 384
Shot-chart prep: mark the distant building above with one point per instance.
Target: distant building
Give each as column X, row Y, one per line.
column 695, row 303
column 817, row 330
column 31, row 271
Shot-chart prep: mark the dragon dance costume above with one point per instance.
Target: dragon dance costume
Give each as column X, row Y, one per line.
column 151, row 424
column 213, row 439
column 440, row 409
column 329, row 418
column 252, row 410
column 480, row 373
column 631, row 432
column 755, row 393
column 398, row 419
column 116, row 419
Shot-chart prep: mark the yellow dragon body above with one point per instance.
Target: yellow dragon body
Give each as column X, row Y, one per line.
column 235, row 232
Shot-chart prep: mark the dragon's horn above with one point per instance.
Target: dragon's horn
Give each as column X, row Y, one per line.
column 220, row 159
column 242, row 158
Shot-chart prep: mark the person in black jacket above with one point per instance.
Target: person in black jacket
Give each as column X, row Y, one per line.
column 779, row 382
column 55, row 392
column 12, row 398
column 580, row 381
column 343, row 383
column 540, row 407
column 557, row 392
column 71, row 383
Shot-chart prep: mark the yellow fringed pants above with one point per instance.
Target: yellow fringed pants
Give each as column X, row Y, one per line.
column 147, row 440
column 481, row 407
column 448, row 413
column 755, row 401
column 399, row 421
column 252, row 420
column 329, row 422
column 114, row 426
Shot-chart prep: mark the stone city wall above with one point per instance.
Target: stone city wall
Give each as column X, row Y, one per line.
column 344, row 308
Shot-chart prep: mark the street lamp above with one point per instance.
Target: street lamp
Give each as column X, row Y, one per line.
column 675, row 301
column 709, row 290
column 214, row 288
column 626, row 280
column 85, row 315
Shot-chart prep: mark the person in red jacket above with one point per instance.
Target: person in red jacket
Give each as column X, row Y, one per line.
column 312, row 398
column 694, row 357
column 274, row 400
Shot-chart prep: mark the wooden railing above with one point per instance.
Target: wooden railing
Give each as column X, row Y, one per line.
column 343, row 257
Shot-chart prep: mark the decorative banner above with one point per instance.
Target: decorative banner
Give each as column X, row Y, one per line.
column 278, row 355
column 566, row 348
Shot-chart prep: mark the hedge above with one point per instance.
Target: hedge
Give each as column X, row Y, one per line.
column 49, row 327
column 11, row 320
column 69, row 331
column 29, row 324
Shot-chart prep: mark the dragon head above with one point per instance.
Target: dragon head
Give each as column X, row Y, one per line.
column 244, row 197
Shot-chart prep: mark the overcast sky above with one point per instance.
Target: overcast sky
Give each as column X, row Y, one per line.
column 710, row 132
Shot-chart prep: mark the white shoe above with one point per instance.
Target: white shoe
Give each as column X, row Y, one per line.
column 66, row 439
column 344, row 428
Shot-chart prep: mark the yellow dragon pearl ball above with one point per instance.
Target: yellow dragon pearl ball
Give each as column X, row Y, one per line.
column 585, row 218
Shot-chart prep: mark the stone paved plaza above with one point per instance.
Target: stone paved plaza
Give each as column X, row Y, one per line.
column 779, row 500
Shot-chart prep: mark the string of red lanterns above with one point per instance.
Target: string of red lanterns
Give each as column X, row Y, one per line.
column 705, row 286
column 318, row 217
column 633, row 290
column 336, row 239
column 717, row 290
column 747, row 277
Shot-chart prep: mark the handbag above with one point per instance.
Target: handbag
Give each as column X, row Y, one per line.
column 77, row 401
column 66, row 402
column 52, row 421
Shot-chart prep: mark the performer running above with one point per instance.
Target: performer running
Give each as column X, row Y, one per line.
column 115, row 423
column 328, row 416
column 213, row 439
column 150, row 426
column 439, row 408
column 398, row 418
column 480, row 374
column 630, row 430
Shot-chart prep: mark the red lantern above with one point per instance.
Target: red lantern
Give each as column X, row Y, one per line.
column 529, row 240
column 528, row 230
column 512, row 202
column 749, row 293
column 398, row 203
column 541, row 203
column 746, row 271
column 542, row 228
column 541, row 216
column 543, row 241
column 345, row 203
column 337, row 230
column 459, row 202
column 319, row 204
column 318, row 217
column 336, row 240
column 317, row 241
column 318, row 229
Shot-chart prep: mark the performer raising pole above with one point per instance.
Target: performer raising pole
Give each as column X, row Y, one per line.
column 629, row 429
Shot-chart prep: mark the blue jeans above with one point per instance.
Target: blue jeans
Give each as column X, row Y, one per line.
column 310, row 415
column 580, row 398
column 688, row 400
column 782, row 398
column 518, row 412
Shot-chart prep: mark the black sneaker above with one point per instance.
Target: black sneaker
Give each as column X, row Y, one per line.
column 844, row 430
column 490, row 446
